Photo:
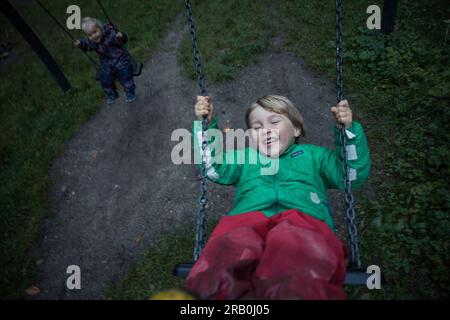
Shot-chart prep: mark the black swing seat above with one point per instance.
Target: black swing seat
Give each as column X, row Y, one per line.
column 137, row 67
column 353, row 277
column 182, row 270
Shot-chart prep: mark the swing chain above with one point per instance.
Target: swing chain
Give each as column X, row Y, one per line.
column 198, row 64
column 350, row 213
column 201, row 214
column 100, row 4
column 65, row 30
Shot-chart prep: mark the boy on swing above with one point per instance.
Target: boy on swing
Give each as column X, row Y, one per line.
column 278, row 240
column 115, row 62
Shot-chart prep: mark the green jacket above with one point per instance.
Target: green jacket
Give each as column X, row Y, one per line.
column 299, row 181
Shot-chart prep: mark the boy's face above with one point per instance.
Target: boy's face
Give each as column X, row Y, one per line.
column 94, row 33
column 272, row 132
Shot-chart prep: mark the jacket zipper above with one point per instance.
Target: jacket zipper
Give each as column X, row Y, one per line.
column 276, row 192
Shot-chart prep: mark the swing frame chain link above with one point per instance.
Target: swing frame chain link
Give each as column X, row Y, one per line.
column 201, row 214
column 350, row 212
column 100, row 4
column 197, row 60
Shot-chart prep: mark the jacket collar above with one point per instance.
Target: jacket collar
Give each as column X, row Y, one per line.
column 288, row 150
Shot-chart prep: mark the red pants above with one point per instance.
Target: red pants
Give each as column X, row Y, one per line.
column 288, row 256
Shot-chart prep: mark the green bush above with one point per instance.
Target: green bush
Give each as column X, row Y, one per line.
column 406, row 74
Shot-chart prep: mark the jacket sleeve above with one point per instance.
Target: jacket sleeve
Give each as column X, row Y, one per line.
column 358, row 156
column 124, row 39
column 221, row 167
column 86, row 45
column 110, row 36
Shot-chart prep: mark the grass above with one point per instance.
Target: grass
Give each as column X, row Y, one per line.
column 231, row 35
column 37, row 119
column 153, row 273
column 399, row 83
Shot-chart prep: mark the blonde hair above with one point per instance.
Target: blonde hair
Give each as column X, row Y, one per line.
column 280, row 105
column 88, row 22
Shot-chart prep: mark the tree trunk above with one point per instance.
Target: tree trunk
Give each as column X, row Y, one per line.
column 388, row 16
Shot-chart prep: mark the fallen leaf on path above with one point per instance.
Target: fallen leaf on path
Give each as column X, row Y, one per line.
column 32, row 291
column 138, row 239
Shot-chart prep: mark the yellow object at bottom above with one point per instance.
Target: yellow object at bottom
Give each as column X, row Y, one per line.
column 172, row 295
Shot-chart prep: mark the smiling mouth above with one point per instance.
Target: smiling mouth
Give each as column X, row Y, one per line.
column 270, row 141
